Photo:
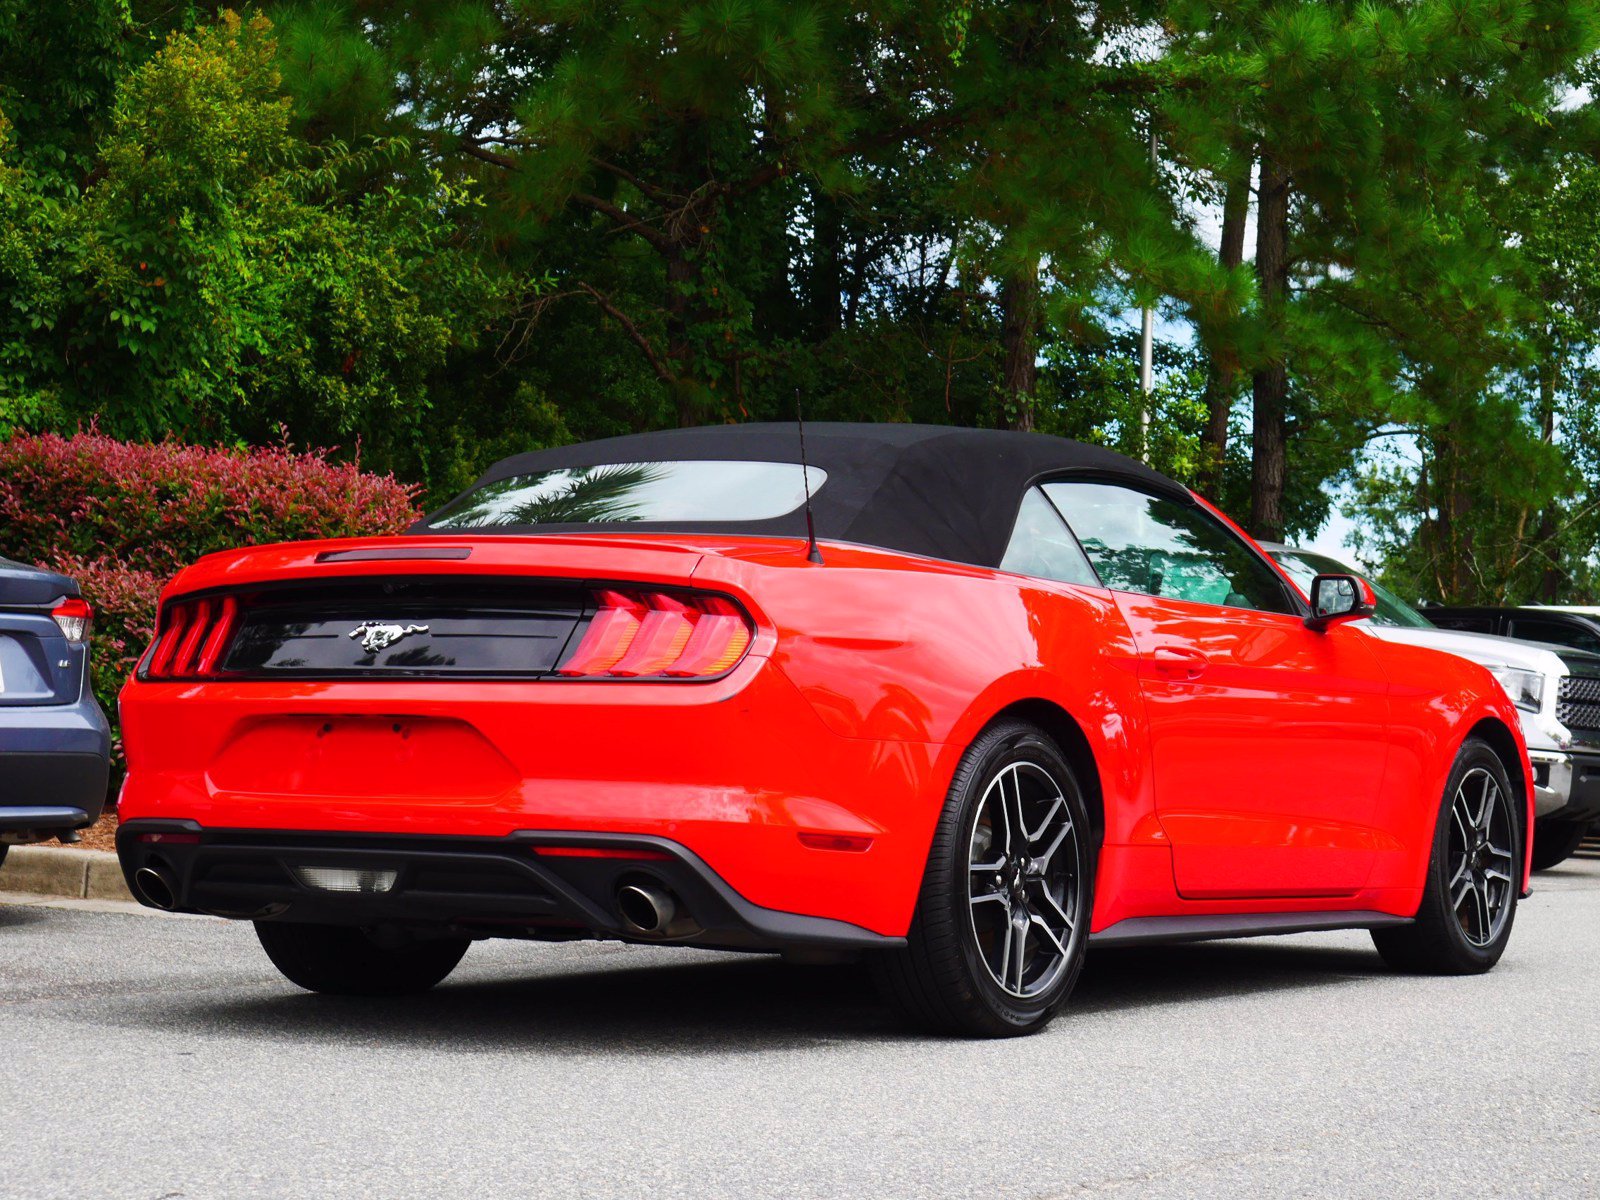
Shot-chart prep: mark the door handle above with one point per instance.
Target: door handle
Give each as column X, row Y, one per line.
column 1176, row 663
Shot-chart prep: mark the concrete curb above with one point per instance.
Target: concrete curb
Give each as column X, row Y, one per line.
column 57, row 871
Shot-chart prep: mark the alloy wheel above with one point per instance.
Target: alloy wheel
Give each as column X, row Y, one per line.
column 1481, row 870
column 1024, row 882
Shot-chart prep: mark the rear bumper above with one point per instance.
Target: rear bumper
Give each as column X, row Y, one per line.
column 740, row 772
column 45, row 792
column 66, row 781
column 482, row 886
column 54, row 763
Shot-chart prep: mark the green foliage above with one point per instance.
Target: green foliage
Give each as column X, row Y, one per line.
column 218, row 278
column 1503, row 504
column 59, row 67
column 1092, row 395
column 450, row 230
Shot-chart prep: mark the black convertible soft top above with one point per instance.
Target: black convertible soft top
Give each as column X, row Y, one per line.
column 934, row 490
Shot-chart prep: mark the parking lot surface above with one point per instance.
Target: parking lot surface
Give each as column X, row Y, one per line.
column 162, row 1057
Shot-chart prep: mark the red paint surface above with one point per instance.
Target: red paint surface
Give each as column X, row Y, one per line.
column 1244, row 763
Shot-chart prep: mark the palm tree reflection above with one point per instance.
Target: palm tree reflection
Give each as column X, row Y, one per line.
column 572, row 496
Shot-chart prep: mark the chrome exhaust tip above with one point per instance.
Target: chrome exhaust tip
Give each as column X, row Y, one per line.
column 155, row 889
column 646, row 909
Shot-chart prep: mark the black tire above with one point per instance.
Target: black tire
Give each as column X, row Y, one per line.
column 1467, row 935
column 1555, row 841
column 343, row 960
column 945, row 979
column 5, row 848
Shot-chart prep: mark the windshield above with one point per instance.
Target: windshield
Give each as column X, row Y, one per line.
column 1303, row 566
column 644, row 493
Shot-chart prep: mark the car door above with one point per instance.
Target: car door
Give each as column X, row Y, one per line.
column 1559, row 631
column 1267, row 739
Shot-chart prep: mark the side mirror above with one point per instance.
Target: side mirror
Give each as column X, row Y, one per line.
column 1339, row 598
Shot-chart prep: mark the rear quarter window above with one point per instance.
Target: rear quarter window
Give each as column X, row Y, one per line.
column 1042, row 545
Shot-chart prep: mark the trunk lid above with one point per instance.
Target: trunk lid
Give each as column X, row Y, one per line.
column 37, row 664
column 443, row 608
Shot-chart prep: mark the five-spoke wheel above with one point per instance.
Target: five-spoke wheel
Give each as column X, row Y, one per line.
column 1482, row 871
column 1003, row 917
column 1022, row 879
column 1469, row 896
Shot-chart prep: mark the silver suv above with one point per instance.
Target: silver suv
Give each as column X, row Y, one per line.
column 1532, row 674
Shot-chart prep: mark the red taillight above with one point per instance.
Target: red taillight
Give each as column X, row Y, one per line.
column 74, row 616
column 720, row 638
column 193, row 638
column 227, row 614
column 183, row 661
column 662, row 635
column 611, row 631
column 653, row 635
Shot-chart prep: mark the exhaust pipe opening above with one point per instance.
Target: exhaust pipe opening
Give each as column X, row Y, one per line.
column 646, row 909
column 155, row 889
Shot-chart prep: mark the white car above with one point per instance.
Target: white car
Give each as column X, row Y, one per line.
column 1530, row 672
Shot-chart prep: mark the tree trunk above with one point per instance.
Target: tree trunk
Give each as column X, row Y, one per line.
column 683, row 283
column 1019, row 322
column 684, row 304
column 1552, row 577
column 1222, row 375
column 1447, row 538
column 827, row 274
column 1269, row 424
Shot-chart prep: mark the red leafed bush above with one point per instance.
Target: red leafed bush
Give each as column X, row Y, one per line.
column 123, row 517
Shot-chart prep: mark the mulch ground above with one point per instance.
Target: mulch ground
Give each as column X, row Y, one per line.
column 102, row 835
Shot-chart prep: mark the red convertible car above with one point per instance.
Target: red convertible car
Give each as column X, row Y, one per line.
column 1017, row 697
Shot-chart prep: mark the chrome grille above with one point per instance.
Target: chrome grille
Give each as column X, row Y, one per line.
column 1578, row 702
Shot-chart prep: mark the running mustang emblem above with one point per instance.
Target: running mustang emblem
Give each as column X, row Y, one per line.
column 375, row 637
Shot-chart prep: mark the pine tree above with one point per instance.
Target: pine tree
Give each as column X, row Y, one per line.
column 1374, row 125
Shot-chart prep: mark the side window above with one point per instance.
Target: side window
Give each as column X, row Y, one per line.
column 1143, row 543
column 1542, row 629
column 1042, row 546
column 1466, row 624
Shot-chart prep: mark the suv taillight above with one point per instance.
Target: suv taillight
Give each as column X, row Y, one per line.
column 75, row 618
column 652, row 635
column 192, row 638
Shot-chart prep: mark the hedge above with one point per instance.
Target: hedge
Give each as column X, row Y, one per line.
column 123, row 517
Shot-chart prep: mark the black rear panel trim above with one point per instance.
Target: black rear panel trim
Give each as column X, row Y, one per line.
column 420, row 627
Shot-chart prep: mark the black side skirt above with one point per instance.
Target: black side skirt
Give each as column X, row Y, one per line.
column 1146, row 930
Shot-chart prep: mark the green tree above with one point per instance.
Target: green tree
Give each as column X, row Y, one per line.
column 1372, row 128
column 1502, row 504
column 217, row 278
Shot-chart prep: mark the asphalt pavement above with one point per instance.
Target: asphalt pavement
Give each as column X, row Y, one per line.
column 144, row 1056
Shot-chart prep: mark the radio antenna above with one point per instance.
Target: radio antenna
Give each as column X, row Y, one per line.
column 813, row 554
